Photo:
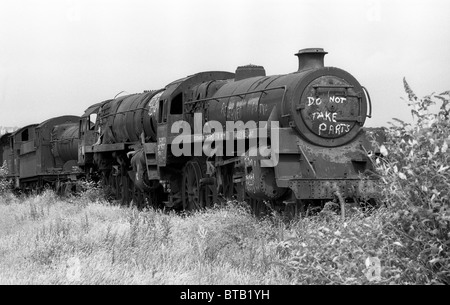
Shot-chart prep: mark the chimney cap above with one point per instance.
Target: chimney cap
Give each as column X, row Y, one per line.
column 311, row 50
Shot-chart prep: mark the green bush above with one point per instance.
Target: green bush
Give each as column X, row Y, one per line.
column 415, row 180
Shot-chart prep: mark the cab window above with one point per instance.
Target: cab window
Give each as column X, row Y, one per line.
column 176, row 106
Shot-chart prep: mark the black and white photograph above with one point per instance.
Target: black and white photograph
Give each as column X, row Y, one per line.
column 224, row 151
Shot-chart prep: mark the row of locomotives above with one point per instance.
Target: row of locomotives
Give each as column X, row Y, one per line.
column 44, row 155
column 281, row 142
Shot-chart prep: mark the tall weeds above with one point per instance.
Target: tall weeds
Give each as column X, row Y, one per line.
column 415, row 177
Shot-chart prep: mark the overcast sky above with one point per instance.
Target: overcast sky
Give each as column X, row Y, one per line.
column 59, row 57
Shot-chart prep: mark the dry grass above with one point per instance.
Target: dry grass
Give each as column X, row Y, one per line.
column 41, row 236
column 47, row 240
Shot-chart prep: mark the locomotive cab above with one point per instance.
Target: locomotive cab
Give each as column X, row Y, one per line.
column 88, row 136
column 180, row 101
column 23, row 151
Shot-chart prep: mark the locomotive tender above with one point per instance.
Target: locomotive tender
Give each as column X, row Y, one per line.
column 291, row 140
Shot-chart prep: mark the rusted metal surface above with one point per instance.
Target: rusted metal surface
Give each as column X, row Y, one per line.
column 46, row 160
column 260, row 182
column 24, row 166
column 124, row 119
column 251, row 99
column 248, row 71
column 65, row 141
column 109, row 147
column 331, row 188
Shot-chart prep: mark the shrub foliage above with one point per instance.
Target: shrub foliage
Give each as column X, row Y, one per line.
column 415, row 181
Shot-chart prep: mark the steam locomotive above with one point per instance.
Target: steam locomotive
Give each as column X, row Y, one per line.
column 284, row 140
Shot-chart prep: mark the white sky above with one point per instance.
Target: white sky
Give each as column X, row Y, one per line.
column 59, row 57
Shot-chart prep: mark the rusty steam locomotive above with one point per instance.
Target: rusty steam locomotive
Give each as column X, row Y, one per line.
column 284, row 140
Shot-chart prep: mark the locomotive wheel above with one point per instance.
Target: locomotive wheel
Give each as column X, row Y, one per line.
column 125, row 190
column 191, row 188
column 226, row 185
column 110, row 183
column 119, row 185
column 115, row 183
column 239, row 191
column 137, row 196
column 105, row 184
column 257, row 206
column 209, row 195
column 293, row 209
column 151, row 195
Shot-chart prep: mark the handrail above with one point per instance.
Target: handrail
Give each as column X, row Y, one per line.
column 369, row 100
column 241, row 95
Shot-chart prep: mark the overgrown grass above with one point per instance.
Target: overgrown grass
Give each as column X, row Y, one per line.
column 47, row 240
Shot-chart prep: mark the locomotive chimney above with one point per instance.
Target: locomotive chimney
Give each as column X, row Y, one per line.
column 311, row 58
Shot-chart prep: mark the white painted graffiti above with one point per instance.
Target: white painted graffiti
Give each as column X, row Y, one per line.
column 210, row 139
column 333, row 99
column 153, row 105
column 329, row 124
column 161, row 146
column 250, row 183
column 234, row 110
column 337, row 99
column 332, row 129
column 326, row 116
